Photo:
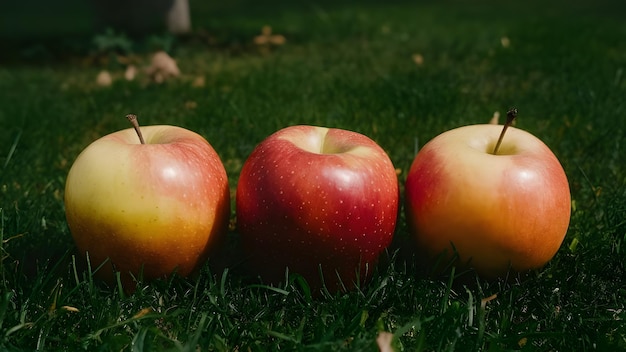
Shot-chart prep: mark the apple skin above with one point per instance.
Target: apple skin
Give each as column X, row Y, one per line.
column 151, row 209
column 311, row 198
column 502, row 212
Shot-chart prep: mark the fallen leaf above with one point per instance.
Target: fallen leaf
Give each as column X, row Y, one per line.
column 162, row 67
column 418, row 59
column 505, row 41
column 199, row 82
column 522, row 342
column 495, row 119
column 384, row 340
column 143, row 312
column 484, row 301
column 130, row 73
column 267, row 38
column 158, row 77
column 104, row 79
column 70, row 308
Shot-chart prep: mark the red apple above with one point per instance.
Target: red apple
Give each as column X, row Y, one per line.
column 318, row 201
column 501, row 212
column 147, row 209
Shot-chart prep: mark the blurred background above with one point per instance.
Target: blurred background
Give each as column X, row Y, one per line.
column 40, row 29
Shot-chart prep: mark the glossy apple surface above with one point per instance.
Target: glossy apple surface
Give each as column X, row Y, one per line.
column 317, row 200
column 147, row 209
column 500, row 212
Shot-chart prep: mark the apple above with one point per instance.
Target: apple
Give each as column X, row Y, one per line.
column 319, row 202
column 495, row 210
column 147, row 209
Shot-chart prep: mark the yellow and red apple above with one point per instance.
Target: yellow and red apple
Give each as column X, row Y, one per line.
column 147, row 209
column 321, row 202
column 501, row 212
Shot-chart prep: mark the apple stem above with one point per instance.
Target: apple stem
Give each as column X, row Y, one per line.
column 510, row 116
column 133, row 120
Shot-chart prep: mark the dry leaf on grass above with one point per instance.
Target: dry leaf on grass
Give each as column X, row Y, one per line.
column 484, row 301
column 505, row 41
column 104, row 79
column 267, row 38
column 130, row 73
column 198, row 82
column 143, row 312
column 495, row 119
column 418, row 59
column 70, row 309
column 162, row 67
column 384, row 340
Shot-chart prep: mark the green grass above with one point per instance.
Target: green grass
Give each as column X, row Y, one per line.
column 348, row 66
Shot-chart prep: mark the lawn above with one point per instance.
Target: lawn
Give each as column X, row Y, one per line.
column 400, row 73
